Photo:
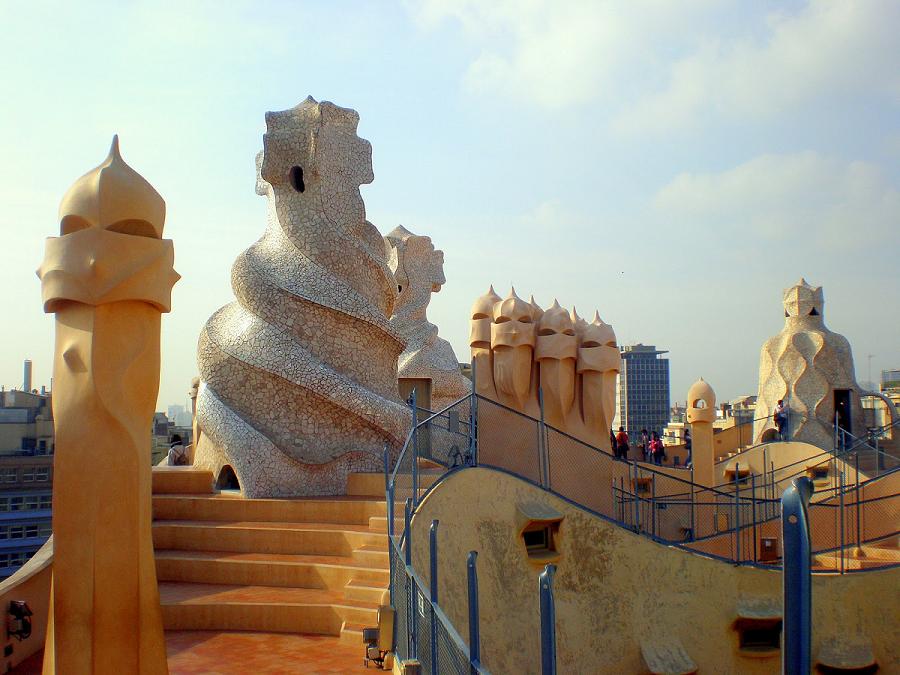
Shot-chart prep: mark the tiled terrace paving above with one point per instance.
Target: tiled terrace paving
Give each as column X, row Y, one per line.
column 232, row 653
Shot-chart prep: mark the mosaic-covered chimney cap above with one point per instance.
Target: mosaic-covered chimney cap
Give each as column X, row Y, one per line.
column 802, row 300
column 114, row 197
column 483, row 307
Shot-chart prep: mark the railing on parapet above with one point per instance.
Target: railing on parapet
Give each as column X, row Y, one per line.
column 793, row 421
column 422, row 631
column 727, row 521
column 437, row 444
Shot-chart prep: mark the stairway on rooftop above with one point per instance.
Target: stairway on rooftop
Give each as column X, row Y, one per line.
column 306, row 565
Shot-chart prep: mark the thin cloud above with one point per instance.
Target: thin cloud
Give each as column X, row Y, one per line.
column 803, row 198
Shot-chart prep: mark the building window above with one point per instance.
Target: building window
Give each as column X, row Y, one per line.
column 28, row 474
column 42, row 474
column 8, row 475
column 46, row 501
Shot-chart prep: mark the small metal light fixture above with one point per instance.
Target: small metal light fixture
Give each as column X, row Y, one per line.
column 18, row 620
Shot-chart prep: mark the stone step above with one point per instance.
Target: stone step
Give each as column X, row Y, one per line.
column 269, row 569
column 374, row 556
column 366, row 591
column 181, row 480
column 265, row 537
column 372, row 484
column 379, row 523
column 352, row 633
column 232, row 507
column 203, row 606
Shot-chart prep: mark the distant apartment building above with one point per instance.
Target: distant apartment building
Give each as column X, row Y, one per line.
column 643, row 391
column 26, row 476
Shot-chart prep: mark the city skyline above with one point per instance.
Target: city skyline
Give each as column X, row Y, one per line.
column 596, row 174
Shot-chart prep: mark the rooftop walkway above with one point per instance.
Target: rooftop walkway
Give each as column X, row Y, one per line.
column 236, row 653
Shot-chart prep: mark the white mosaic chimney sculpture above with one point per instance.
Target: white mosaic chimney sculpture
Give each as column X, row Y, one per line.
column 811, row 369
column 299, row 376
column 419, row 271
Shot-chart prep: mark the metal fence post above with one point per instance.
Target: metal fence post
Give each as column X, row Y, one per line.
column 548, row 620
column 797, row 578
column 385, row 459
column 473, row 418
column 411, row 622
column 859, row 550
column 693, row 517
column 390, row 529
column 637, row 506
column 737, row 512
column 415, row 458
column 841, row 517
column 407, row 517
column 653, row 504
column 542, row 453
column 753, row 506
column 474, row 633
column 433, row 591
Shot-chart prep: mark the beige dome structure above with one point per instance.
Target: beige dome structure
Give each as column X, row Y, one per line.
column 810, row 368
column 701, row 402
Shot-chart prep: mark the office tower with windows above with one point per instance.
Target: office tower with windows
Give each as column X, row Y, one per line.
column 643, row 394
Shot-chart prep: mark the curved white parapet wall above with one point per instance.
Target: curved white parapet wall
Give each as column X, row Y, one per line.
column 299, row 375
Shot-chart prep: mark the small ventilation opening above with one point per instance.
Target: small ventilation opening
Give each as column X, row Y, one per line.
column 297, row 179
column 228, row 479
column 835, row 670
column 813, row 312
column 540, row 539
column 759, row 636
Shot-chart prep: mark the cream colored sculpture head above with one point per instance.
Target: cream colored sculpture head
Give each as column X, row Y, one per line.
column 524, row 356
column 107, row 277
column 557, row 351
column 513, row 342
column 701, row 404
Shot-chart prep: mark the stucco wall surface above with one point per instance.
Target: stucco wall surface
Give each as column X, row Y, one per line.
column 615, row 590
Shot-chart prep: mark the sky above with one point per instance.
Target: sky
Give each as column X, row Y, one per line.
column 672, row 165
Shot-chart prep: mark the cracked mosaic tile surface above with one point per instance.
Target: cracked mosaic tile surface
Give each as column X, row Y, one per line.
column 419, row 271
column 299, row 375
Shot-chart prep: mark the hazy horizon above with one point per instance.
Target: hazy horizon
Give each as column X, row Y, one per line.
column 674, row 166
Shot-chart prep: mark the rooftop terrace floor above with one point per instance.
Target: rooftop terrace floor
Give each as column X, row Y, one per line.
column 230, row 653
column 224, row 653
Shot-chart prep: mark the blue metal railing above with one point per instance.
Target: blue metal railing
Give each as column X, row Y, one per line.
column 797, row 577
